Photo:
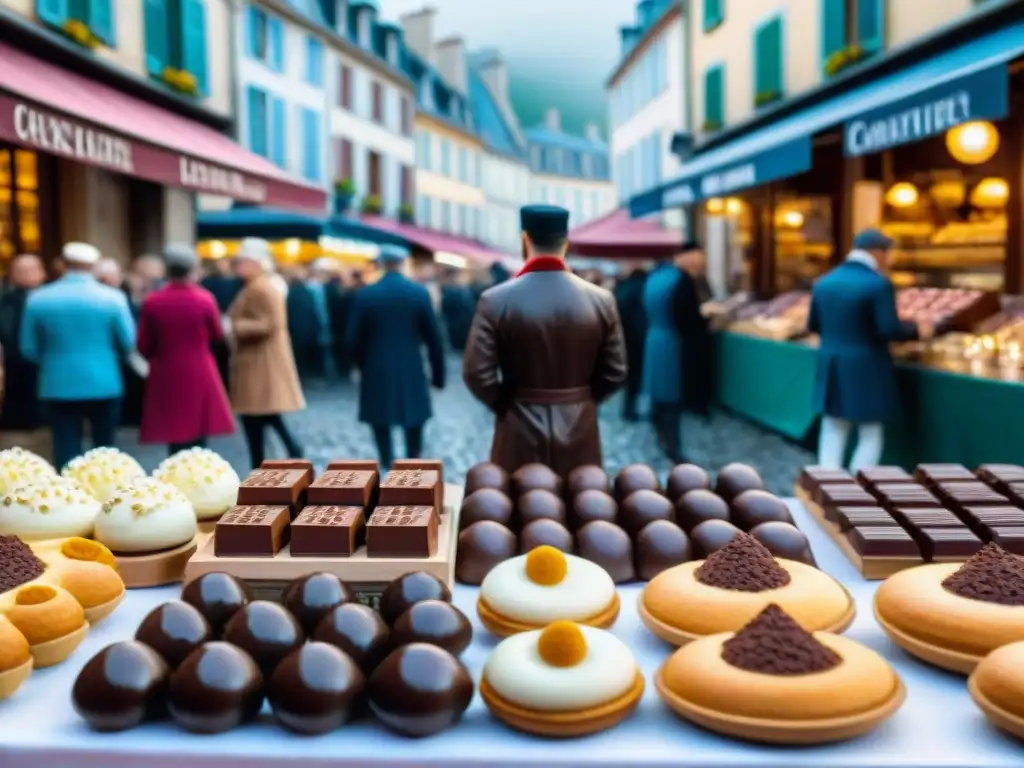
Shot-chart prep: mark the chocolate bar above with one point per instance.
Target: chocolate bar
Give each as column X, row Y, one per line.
column 933, row 474
column 860, row 517
column 957, row 543
column 402, row 531
column 1010, row 539
column 304, row 464
column 813, row 477
column 327, row 531
column 883, row 541
column 411, row 488
column 833, row 496
column 905, row 495
column 366, row 465
column 344, row 488
column 872, row 476
column 251, row 531
column 275, row 487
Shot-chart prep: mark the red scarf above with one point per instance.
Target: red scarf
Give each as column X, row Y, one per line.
column 543, row 264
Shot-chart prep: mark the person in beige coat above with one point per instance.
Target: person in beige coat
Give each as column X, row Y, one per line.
column 264, row 382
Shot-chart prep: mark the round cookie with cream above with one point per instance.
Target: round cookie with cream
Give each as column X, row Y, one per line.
column 53, row 508
column 146, row 516
column 567, row 679
column 533, row 590
column 208, row 481
column 103, row 471
column 19, row 467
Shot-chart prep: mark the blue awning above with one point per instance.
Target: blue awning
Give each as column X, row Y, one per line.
column 968, row 82
column 276, row 224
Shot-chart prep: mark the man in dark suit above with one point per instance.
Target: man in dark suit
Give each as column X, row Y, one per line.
column 308, row 325
column 629, row 296
column 853, row 310
column 457, row 308
column 391, row 321
column 339, row 308
column 20, row 418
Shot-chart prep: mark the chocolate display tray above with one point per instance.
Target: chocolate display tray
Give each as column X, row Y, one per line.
column 366, row 575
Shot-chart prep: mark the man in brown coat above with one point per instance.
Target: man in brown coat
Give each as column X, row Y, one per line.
column 544, row 350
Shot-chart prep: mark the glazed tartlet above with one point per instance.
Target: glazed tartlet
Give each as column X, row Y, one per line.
column 19, row 467
column 531, row 591
column 925, row 610
column 563, row 681
column 773, row 681
column 86, row 569
column 146, row 516
column 15, row 658
column 732, row 586
column 997, row 687
column 50, row 619
column 103, row 471
column 206, row 479
column 53, row 508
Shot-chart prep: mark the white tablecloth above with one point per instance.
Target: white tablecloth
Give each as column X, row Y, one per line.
column 938, row 727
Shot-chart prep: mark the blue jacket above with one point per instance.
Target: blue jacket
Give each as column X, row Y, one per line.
column 77, row 331
column 853, row 309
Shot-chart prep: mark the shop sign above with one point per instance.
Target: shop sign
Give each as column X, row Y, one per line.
column 61, row 136
column 201, row 176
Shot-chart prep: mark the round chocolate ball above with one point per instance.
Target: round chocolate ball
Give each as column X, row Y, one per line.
column 549, row 533
column 174, row 630
column 733, row 479
column 535, row 477
column 683, row 478
column 659, row 546
column 266, row 631
column 217, row 688
column 712, row 535
column 589, row 477
column 540, row 505
column 643, row 507
column 751, row 508
column 408, row 589
column 589, row 506
column 315, row 595
column 435, row 622
column 122, row 686
column 607, row 545
column 359, row 631
column 487, row 475
column 481, row 547
column 315, row 689
column 419, row 690
column 699, row 506
column 486, row 504
column 217, row 596
column 633, row 478
column 784, row 540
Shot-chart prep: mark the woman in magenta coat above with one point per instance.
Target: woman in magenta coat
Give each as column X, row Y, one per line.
column 185, row 402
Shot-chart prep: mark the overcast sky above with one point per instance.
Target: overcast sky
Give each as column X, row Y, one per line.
column 559, row 51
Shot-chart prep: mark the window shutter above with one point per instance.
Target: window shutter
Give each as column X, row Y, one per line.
column 871, row 25
column 193, row 42
column 252, row 31
column 311, row 139
column 833, row 27
column 101, row 20
column 54, row 12
column 714, row 96
column 257, row 103
column 155, row 24
column 276, row 32
column 768, row 58
column 279, row 134
column 713, row 15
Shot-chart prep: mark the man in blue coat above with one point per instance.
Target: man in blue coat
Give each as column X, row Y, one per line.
column 853, row 310
column 391, row 321
column 77, row 331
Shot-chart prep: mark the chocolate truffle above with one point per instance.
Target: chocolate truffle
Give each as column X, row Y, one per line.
column 435, row 622
column 683, row 478
column 784, row 540
column 589, row 477
column 217, row 688
column 589, row 506
column 217, row 596
column 359, row 631
column 696, row 507
column 419, row 690
column 315, row 689
column 643, row 507
column 540, row 505
column 174, row 630
column 733, row 479
column 485, row 504
column 549, row 533
column 315, row 595
column 607, row 545
column 751, row 508
column 487, row 475
column 659, row 546
column 633, row 478
column 481, row 547
column 122, row 686
column 711, row 535
column 411, row 588
column 266, row 631
column 533, row 477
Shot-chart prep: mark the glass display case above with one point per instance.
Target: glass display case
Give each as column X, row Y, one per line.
column 19, row 204
column 803, row 242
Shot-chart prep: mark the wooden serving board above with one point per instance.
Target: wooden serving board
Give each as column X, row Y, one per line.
column 268, row 576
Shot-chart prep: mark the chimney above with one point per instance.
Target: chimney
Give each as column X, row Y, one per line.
column 553, row 120
column 593, row 133
column 419, row 32
column 494, row 72
column 450, row 60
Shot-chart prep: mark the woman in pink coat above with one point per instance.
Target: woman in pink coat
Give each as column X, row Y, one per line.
column 185, row 402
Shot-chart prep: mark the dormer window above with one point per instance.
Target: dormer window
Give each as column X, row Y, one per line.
column 427, row 92
column 588, row 166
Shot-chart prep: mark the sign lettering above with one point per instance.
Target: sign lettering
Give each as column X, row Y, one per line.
column 729, row 180
column 196, row 174
column 913, row 124
column 64, row 137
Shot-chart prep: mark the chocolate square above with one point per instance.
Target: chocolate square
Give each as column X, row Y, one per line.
column 960, row 495
column 982, row 520
column 872, row 476
column 860, row 517
column 883, row 541
column 327, row 531
column 344, row 487
column 907, row 495
column 402, row 531
column 274, row 487
column 835, row 495
column 1000, row 476
column 933, row 474
column 916, row 518
column 411, row 488
column 1015, row 493
column 304, row 464
column 1010, row 539
column 251, row 531
column 948, row 542
column 365, row 465
column 812, row 477
column 433, row 465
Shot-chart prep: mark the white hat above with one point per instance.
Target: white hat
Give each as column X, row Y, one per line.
column 258, row 250
column 81, row 253
column 323, row 264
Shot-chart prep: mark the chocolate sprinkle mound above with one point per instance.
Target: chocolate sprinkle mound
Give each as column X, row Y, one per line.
column 18, row 564
column 742, row 565
column 774, row 644
column 992, row 575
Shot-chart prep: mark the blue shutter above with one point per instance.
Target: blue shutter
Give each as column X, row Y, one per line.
column 768, row 58
column 257, row 116
column 54, row 12
column 100, row 15
column 713, row 14
column 155, row 25
column 311, row 140
column 714, row 97
column 833, row 27
column 252, row 31
column 278, row 133
column 871, row 25
column 275, row 30
column 193, row 42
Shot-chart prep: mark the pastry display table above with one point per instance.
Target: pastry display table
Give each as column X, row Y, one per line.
column 938, row 727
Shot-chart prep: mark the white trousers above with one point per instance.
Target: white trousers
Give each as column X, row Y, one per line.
column 835, row 436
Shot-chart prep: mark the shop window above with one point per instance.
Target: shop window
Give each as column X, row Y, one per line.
column 852, row 30
column 714, row 14
column 175, row 32
column 803, row 234
column 20, row 230
column 768, row 62
column 714, row 98
column 96, row 15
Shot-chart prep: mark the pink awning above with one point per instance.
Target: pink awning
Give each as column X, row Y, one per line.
column 436, row 242
column 617, row 236
column 63, row 113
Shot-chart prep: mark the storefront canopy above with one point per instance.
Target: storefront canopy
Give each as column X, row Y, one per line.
column 278, row 224
column 60, row 112
column 438, row 244
column 965, row 82
column 617, row 236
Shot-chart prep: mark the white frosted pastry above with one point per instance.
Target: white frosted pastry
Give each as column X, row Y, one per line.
column 20, row 467
column 206, row 479
column 146, row 516
column 52, row 509
column 102, row 471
